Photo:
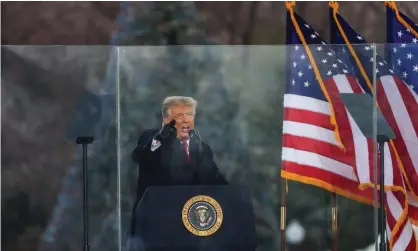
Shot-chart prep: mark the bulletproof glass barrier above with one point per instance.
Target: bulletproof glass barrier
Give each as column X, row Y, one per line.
column 263, row 110
column 396, row 74
column 51, row 95
column 278, row 129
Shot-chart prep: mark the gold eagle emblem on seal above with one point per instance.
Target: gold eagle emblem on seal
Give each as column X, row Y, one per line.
column 202, row 215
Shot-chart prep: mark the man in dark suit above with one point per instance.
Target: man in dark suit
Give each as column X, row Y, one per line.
column 175, row 154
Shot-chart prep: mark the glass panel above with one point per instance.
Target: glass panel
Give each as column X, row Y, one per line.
column 240, row 92
column 397, row 86
column 358, row 134
column 47, row 93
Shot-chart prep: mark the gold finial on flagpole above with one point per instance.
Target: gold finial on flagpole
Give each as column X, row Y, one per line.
column 289, row 5
column 392, row 5
column 334, row 5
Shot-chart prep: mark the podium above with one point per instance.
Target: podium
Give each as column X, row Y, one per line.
column 204, row 218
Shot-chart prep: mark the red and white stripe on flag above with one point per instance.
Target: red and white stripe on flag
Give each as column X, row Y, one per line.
column 361, row 149
column 312, row 155
column 399, row 105
column 310, row 152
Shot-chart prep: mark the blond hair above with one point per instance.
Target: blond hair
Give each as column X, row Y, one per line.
column 175, row 101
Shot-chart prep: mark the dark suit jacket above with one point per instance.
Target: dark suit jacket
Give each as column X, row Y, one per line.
column 168, row 165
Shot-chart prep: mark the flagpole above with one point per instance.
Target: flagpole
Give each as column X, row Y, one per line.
column 283, row 215
column 334, row 219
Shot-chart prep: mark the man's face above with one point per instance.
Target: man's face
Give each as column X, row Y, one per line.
column 184, row 116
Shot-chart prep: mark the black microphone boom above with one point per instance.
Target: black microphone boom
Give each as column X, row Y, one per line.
column 194, row 135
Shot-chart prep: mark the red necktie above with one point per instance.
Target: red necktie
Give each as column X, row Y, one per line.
column 186, row 148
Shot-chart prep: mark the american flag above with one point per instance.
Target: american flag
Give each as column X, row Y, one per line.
column 390, row 93
column 402, row 48
column 311, row 153
column 402, row 55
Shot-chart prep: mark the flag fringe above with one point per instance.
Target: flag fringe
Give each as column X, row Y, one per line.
column 325, row 185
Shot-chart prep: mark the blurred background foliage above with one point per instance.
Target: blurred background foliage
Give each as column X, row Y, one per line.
column 239, row 89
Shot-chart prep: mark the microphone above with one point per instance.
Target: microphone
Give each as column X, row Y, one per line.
column 194, row 134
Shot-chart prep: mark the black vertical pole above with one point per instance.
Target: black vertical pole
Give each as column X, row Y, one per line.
column 85, row 200
column 85, row 141
column 334, row 221
column 283, row 215
column 382, row 221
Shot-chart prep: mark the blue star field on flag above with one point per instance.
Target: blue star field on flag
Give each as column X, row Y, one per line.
column 363, row 50
column 402, row 49
column 301, row 78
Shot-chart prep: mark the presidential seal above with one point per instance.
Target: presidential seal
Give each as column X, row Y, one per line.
column 202, row 215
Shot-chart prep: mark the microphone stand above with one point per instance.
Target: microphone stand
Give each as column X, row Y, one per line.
column 194, row 136
column 85, row 141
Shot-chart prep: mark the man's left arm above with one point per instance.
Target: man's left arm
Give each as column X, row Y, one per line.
column 213, row 175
